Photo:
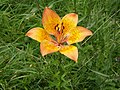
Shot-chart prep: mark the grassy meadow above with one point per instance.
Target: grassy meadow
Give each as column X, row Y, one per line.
column 22, row 66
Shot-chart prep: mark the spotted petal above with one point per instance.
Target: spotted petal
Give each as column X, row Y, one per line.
column 78, row 34
column 69, row 21
column 38, row 34
column 48, row 47
column 70, row 51
column 50, row 20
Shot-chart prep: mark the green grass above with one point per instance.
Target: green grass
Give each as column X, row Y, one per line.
column 23, row 68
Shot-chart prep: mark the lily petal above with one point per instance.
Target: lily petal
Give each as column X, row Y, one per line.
column 70, row 51
column 50, row 20
column 78, row 34
column 69, row 21
column 48, row 47
column 38, row 34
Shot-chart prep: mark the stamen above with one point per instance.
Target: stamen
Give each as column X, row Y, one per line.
column 62, row 27
column 57, row 28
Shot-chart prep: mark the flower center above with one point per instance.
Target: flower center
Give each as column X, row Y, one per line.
column 60, row 30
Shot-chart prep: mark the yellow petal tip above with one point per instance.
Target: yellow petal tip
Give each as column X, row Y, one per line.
column 73, row 15
column 70, row 51
column 76, row 61
column 46, row 7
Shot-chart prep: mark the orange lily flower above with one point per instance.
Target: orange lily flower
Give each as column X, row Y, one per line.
column 58, row 34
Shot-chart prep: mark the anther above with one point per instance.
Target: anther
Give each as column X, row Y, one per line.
column 56, row 27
